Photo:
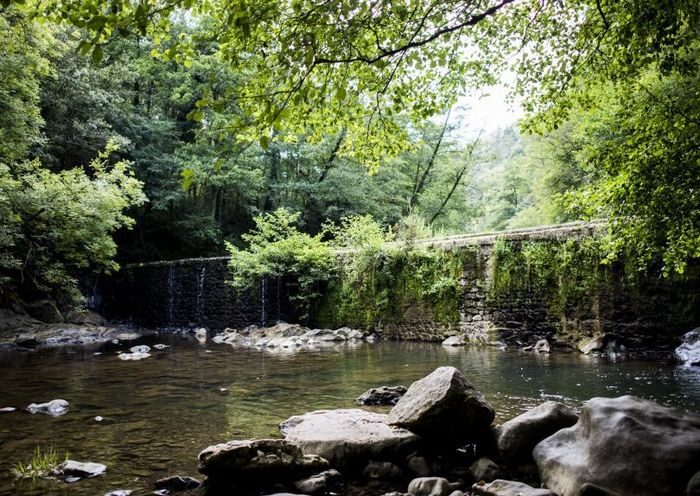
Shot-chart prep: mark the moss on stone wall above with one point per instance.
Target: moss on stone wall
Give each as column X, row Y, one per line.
column 391, row 284
column 566, row 273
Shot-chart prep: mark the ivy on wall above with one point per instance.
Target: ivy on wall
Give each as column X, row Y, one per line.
column 564, row 272
column 384, row 284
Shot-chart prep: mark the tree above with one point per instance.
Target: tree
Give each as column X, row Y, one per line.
column 56, row 226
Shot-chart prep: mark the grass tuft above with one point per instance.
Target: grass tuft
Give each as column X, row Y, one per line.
column 41, row 464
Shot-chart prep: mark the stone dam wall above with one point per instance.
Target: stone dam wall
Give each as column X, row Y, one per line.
column 653, row 311
column 191, row 292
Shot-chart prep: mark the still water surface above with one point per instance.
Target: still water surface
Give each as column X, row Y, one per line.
column 160, row 412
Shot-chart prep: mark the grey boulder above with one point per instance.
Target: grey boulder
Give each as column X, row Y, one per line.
column 383, row 395
column 625, row 446
column 80, row 470
column 432, row 486
column 501, row 487
column 53, row 408
column 688, row 353
column 348, row 438
column 444, row 407
column 258, row 459
column 517, row 437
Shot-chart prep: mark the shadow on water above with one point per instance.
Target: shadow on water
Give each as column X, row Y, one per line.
column 160, row 412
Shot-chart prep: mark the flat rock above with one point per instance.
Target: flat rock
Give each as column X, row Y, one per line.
column 444, row 407
column 348, row 438
column 501, row 487
column 517, row 437
column 7, row 409
column 383, row 395
column 53, row 408
column 133, row 356
column 259, row 459
column 625, row 446
column 81, row 470
column 688, row 353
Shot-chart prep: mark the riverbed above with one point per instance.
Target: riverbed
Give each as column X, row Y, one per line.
column 158, row 413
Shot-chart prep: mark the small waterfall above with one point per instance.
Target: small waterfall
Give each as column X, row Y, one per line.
column 263, row 303
column 94, row 298
column 200, row 294
column 279, row 305
column 171, row 294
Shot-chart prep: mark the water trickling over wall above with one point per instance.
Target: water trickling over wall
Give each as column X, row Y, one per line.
column 190, row 292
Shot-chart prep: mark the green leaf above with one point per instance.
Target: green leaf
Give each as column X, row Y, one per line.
column 97, row 54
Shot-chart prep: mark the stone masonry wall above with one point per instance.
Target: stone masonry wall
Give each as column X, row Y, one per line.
column 190, row 292
column 194, row 292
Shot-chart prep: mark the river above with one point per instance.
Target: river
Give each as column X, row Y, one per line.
column 158, row 413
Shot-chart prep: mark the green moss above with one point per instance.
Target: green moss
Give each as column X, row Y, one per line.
column 566, row 273
column 392, row 284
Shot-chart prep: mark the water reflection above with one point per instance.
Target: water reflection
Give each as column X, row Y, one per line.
column 158, row 413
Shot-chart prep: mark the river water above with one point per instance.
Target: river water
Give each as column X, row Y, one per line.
column 161, row 411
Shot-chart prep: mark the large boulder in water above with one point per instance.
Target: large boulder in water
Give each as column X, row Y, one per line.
column 349, row 438
column 261, row 459
column 517, row 437
column 443, row 406
column 625, row 446
column 688, row 352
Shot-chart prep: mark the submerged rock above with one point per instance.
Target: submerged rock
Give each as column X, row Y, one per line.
column 501, row 487
column 688, row 353
column 258, row 459
column 80, row 470
column 443, row 406
column 177, row 483
column 142, row 348
column 119, row 492
column 517, row 437
column 54, row 408
column 348, row 438
column 383, row 395
column 431, row 486
column 7, row 409
column 625, row 446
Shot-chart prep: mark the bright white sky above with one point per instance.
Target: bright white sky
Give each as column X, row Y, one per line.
column 488, row 110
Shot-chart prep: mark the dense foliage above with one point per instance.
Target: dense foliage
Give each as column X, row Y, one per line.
column 229, row 111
